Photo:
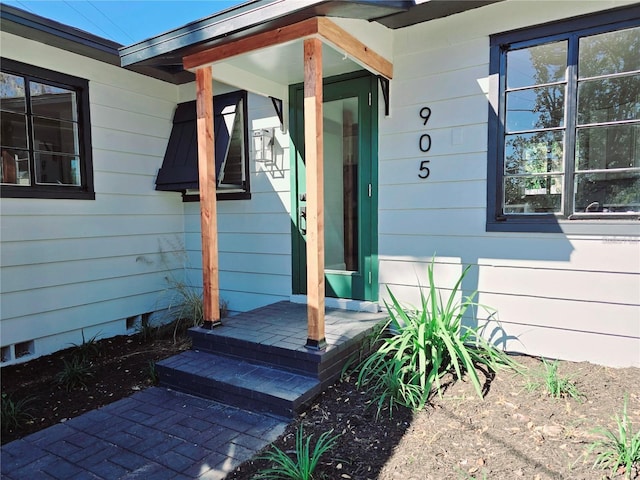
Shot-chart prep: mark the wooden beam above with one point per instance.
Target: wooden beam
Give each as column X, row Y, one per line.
column 254, row 42
column 208, row 208
column 313, row 155
column 321, row 26
column 350, row 45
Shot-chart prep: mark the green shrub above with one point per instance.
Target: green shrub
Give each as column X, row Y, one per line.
column 425, row 344
column 88, row 349
column 187, row 307
column 14, row 413
column 152, row 373
column 305, row 461
column 618, row 449
column 74, row 374
column 555, row 385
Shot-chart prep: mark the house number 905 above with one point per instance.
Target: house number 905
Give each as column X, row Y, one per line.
column 424, row 144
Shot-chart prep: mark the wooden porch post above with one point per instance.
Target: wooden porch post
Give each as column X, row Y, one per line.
column 207, row 179
column 313, row 140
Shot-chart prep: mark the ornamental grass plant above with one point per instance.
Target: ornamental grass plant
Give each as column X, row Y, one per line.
column 305, row 461
column 618, row 451
column 425, row 344
column 556, row 385
column 15, row 412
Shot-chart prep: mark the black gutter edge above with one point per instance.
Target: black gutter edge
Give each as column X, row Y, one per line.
column 240, row 18
column 40, row 29
column 222, row 23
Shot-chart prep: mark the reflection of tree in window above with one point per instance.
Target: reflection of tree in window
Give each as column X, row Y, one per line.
column 604, row 124
column 608, row 132
column 535, row 126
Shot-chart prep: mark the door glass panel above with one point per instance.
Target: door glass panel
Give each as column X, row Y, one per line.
column 341, row 184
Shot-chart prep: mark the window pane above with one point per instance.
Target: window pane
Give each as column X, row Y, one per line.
column 539, row 152
column 55, row 136
column 608, row 53
column 341, row 158
column 232, row 171
column 53, row 102
column 12, row 97
column 609, row 100
column 15, row 167
column 57, row 169
column 533, row 194
column 13, row 130
column 616, row 146
column 537, row 65
column 535, row 108
column 607, row 192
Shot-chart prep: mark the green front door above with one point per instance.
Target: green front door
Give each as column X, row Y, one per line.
column 350, row 172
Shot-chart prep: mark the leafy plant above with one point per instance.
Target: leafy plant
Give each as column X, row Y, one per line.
column 14, row 412
column 152, row 373
column 424, row 345
column 618, row 449
column 188, row 307
column 88, row 349
column 74, row 374
column 306, row 459
column 555, row 385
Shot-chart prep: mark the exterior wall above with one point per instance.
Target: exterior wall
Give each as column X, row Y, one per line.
column 254, row 235
column 562, row 296
column 73, row 266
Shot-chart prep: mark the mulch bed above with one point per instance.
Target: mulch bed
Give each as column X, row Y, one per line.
column 120, row 368
column 512, row 433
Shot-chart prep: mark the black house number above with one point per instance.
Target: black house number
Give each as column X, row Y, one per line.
column 424, row 144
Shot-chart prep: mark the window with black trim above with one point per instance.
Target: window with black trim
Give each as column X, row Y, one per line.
column 565, row 140
column 45, row 134
column 179, row 171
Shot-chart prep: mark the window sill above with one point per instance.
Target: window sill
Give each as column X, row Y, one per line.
column 220, row 196
column 9, row 191
column 621, row 225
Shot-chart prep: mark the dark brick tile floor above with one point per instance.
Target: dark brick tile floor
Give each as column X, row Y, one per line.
column 156, row 433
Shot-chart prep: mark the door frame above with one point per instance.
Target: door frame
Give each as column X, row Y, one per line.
column 368, row 223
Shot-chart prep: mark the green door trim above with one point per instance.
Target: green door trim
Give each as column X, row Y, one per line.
column 368, row 222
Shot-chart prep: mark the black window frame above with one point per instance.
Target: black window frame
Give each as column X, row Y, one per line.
column 84, row 191
column 500, row 44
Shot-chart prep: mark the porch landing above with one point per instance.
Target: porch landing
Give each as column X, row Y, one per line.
column 258, row 361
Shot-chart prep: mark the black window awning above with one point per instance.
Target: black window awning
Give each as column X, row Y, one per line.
column 179, row 171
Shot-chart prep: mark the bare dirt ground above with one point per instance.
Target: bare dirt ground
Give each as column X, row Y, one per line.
column 512, row 433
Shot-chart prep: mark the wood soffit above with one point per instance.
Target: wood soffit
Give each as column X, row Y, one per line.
column 320, row 27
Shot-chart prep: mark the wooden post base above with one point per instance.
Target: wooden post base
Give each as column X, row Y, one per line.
column 316, row 344
column 211, row 324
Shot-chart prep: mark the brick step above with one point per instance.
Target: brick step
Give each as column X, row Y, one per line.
column 239, row 383
column 325, row 365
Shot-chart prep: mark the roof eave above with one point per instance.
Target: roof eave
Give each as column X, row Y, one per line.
column 40, row 29
column 250, row 17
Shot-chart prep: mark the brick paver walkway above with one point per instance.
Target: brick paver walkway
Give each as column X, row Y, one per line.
column 156, row 433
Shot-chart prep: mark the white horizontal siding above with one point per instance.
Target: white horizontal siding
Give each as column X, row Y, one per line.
column 556, row 293
column 536, row 282
column 77, row 264
column 254, row 240
column 34, row 252
column 443, row 168
column 527, row 250
column 579, row 345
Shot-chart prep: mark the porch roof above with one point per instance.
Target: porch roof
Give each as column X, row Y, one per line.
column 166, row 51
